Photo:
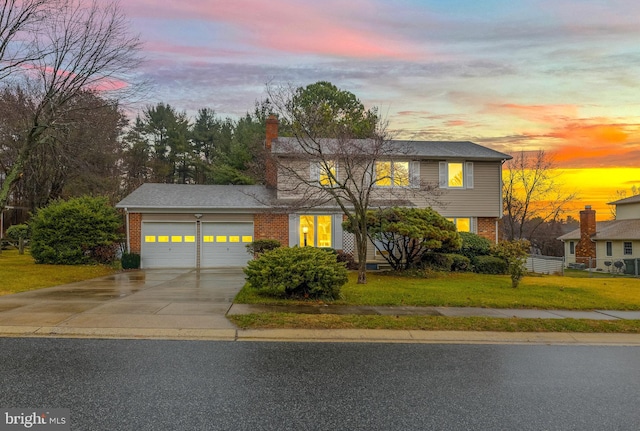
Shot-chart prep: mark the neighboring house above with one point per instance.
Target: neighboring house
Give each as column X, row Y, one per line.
column 600, row 245
column 175, row 225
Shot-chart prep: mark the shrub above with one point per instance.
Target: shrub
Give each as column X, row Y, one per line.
column 130, row 261
column 436, row 261
column 297, row 272
column 460, row 263
column 489, row 265
column 260, row 246
column 347, row 259
column 474, row 245
column 20, row 233
column 77, row 231
column 515, row 254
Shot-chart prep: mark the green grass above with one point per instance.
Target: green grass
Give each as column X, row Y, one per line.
column 432, row 323
column 479, row 290
column 19, row 273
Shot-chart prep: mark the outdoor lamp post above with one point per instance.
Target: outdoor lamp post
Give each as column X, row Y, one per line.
column 305, row 231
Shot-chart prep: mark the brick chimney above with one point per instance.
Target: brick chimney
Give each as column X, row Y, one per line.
column 586, row 248
column 271, row 169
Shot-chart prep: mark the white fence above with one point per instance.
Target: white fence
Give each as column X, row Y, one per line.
column 545, row 264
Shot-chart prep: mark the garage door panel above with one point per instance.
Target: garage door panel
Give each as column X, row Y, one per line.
column 168, row 245
column 224, row 244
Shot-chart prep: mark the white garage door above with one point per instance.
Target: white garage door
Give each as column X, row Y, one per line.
column 224, row 244
column 168, row 245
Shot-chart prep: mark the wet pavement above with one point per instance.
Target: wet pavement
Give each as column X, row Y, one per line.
column 138, row 301
column 193, row 304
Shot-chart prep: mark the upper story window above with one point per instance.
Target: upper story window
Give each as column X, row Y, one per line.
column 328, row 173
column 394, row 174
column 456, row 175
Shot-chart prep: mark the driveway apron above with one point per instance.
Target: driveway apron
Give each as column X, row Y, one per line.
column 147, row 299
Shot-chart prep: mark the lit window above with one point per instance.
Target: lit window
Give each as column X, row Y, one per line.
column 221, row 239
column 392, row 173
column 207, row 238
column 628, row 248
column 163, row 238
column 328, row 172
column 150, row 238
column 189, row 238
column 315, row 231
column 455, row 175
column 234, row 238
column 247, row 238
column 176, row 238
column 463, row 224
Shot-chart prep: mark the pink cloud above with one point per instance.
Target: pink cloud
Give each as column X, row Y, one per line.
column 328, row 28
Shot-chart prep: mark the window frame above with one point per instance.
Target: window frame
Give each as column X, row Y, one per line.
column 467, row 174
column 313, row 240
column 472, row 225
column 393, row 181
column 608, row 248
column 572, row 247
column 627, row 248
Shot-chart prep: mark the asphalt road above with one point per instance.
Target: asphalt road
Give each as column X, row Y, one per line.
column 206, row 385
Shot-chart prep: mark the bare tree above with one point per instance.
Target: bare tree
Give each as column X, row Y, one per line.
column 532, row 194
column 621, row 194
column 19, row 20
column 85, row 46
column 347, row 169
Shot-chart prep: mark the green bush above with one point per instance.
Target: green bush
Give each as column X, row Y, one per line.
column 474, row 245
column 489, row 265
column 304, row 272
column 77, row 231
column 260, row 246
column 460, row 262
column 515, row 255
column 130, row 261
column 436, row 261
column 19, row 233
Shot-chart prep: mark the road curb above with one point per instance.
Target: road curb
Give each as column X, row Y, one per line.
column 328, row 335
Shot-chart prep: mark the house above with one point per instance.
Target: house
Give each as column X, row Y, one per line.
column 200, row 226
column 608, row 245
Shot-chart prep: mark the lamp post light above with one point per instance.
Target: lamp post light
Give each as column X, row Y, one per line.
column 305, row 231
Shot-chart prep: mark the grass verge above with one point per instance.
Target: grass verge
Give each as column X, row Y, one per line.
column 479, row 290
column 431, row 323
column 19, row 273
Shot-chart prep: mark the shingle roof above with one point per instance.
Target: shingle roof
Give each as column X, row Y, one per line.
column 610, row 230
column 424, row 149
column 199, row 197
column 630, row 200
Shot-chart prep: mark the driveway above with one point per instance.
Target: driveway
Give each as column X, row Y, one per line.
column 135, row 304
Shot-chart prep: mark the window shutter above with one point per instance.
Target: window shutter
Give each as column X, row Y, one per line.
column 314, row 171
column 443, row 174
column 294, row 230
column 469, row 175
column 414, row 173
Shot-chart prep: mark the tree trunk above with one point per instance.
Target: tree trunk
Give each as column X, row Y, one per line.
column 361, row 246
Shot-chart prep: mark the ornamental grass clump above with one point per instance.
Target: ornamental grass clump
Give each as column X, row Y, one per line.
column 298, row 272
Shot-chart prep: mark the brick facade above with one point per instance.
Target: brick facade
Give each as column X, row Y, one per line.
column 271, row 226
column 135, row 232
column 487, row 228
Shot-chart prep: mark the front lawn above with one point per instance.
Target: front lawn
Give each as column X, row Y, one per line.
column 19, row 273
column 479, row 290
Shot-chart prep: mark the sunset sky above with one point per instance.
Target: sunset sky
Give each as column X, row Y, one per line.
column 558, row 75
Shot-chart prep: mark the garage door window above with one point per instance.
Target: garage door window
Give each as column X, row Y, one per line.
column 150, row 238
column 163, row 238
